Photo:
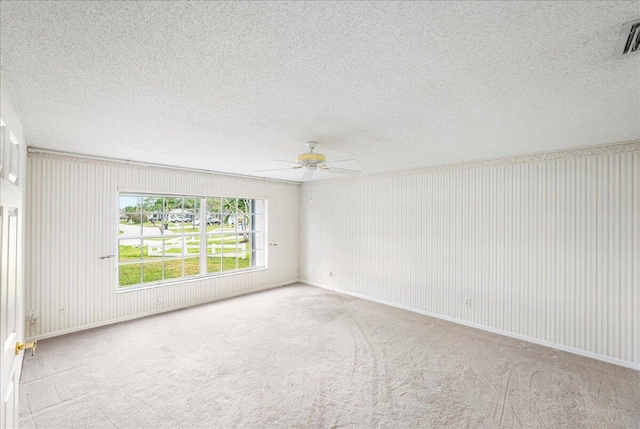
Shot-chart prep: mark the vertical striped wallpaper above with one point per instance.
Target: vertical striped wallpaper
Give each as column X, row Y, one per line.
column 547, row 249
column 72, row 220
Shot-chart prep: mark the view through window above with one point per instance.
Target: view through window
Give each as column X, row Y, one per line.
column 164, row 238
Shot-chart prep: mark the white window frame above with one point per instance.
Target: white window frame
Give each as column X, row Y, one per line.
column 257, row 233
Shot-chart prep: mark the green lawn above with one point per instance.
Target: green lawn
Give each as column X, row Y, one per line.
column 152, row 271
column 129, row 253
column 154, row 268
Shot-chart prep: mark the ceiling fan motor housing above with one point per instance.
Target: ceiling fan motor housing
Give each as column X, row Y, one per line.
column 311, row 158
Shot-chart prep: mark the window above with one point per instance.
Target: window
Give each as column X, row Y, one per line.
column 165, row 238
column 9, row 154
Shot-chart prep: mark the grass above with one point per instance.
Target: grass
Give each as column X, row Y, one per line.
column 153, row 271
column 128, row 253
column 155, row 268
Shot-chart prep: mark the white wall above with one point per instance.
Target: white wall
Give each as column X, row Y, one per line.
column 547, row 247
column 73, row 220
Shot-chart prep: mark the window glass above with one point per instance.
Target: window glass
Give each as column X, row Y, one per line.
column 160, row 237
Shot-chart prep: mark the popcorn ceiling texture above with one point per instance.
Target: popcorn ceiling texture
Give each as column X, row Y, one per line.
column 227, row 86
column 304, row 357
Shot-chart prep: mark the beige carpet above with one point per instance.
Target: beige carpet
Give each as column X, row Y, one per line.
column 300, row 356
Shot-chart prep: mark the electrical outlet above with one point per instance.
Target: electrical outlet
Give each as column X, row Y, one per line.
column 157, row 300
column 467, row 302
column 62, row 309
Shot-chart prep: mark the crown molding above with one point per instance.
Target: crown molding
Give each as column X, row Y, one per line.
column 585, row 152
column 110, row 162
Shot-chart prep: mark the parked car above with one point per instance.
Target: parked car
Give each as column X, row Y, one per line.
column 210, row 221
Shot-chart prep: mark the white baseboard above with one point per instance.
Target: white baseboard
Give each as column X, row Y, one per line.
column 151, row 313
column 564, row 348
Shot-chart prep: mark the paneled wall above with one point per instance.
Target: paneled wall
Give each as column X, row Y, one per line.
column 73, row 220
column 545, row 247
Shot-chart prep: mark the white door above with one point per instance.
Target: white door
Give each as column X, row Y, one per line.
column 10, row 311
column 12, row 157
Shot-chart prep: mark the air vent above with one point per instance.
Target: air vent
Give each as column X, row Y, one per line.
column 629, row 39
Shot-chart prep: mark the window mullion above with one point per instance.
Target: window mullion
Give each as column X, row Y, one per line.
column 203, row 236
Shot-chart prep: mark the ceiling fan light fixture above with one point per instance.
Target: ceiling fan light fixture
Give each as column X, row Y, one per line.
column 311, row 158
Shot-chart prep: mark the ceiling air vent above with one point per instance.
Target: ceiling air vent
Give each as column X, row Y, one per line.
column 629, row 39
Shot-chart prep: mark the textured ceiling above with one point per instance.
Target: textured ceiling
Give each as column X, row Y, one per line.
column 229, row 86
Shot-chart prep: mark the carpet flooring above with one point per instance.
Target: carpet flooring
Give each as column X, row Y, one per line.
column 300, row 356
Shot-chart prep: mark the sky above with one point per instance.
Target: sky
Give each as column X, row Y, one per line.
column 127, row 201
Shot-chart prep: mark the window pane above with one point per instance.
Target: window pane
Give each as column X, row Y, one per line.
column 242, row 247
column 173, row 268
column 191, row 245
column 174, row 208
column 152, row 228
column 213, row 205
column 163, row 223
column 129, row 250
column 129, row 274
column 243, row 222
column 152, row 248
column 244, row 257
column 229, row 263
column 130, row 214
column 152, row 272
column 214, row 255
column 152, row 216
column 175, row 223
column 172, row 246
column 229, row 244
column 230, row 252
column 229, row 206
column 191, row 266
column 214, row 264
column 214, row 224
column 151, row 208
column 244, row 205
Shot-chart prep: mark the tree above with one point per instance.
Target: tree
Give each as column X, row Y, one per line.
column 238, row 210
column 137, row 218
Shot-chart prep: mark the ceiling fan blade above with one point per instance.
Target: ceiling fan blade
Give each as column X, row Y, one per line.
column 282, row 160
column 308, row 173
column 343, row 160
column 278, row 169
column 342, row 171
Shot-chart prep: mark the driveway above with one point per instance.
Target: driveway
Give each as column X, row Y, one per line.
column 134, row 231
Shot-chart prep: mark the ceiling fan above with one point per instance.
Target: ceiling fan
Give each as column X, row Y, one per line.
column 312, row 162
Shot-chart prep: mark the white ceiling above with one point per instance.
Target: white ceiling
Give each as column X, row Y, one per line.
column 229, row 86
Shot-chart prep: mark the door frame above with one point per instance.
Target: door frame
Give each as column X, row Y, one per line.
column 13, row 157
